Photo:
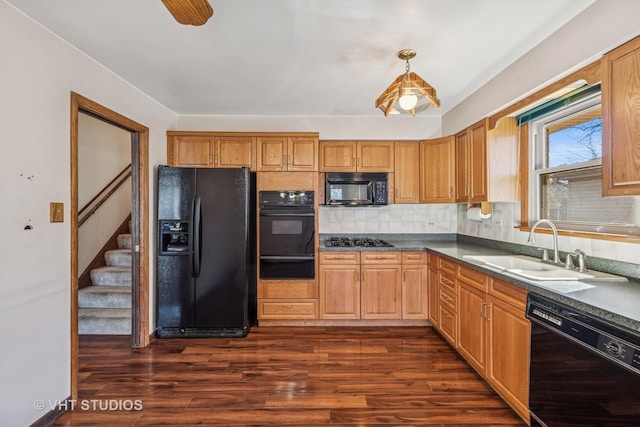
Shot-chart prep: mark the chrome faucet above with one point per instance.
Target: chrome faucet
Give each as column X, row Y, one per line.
column 556, row 254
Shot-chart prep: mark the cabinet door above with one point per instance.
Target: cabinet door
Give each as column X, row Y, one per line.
column 477, row 163
column 414, row 291
column 508, row 353
column 375, row 156
column 337, row 156
column 302, row 154
column 620, row 118
column 437, row 170
column 472, row 326
column 339, row 291
column 271, row 153
column 381, row 294
column 407, row 172
column 433, row 297
column 235, row 152
column 462, row 167
column 192, row 151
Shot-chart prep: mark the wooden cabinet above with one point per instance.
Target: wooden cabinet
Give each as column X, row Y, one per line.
column 190, row 151
column 407, row 172
column 207, row 150
column 415, row 288
column 340, row 285
column 287, row 153
column 472, row 317
column 370, row 285
column 620, row 118
column 508, row 340
column 471, row 164
column 287, row 300
column 437, row 170
column 486, row 166
column 381, row 288
column 484, row 319
column 433, row 291
column 356, row 156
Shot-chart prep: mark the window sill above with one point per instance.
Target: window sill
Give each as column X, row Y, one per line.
column 583, row 234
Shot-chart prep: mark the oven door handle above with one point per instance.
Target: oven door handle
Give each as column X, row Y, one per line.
column 271, row 214
column 287, row 257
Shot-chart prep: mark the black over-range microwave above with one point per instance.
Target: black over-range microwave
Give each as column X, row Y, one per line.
column 356, row 189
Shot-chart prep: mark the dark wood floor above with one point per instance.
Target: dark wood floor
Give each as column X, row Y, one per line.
column 285, row 376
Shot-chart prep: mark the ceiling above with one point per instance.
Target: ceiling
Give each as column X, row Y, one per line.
column 302, row 57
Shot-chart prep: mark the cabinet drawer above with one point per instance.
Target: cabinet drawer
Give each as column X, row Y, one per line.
column 447, row 323
column 448, row 299
column 474, row 278
column 381, row 258
column 448, row 266
column 447, row 282
column 508, row 293
column 339, row 257
column 287, row 289
column 414, row 257
column 288, row 309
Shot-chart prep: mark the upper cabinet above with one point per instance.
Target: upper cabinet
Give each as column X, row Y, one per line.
column 407, row 172
column 208, row 150
column 287, row 153
column 356, row 156
column 437, row 170
column 486, row 162
column 620, row 118
column 471, row 164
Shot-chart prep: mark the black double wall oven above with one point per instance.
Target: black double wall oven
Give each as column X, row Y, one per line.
column 287, row 231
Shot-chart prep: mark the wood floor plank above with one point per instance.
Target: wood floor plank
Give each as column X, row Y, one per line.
column 277, row 376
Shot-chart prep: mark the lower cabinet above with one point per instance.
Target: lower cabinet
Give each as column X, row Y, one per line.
column 484, row 319
column 287, row 300
column 373, row 285
column 508, row 348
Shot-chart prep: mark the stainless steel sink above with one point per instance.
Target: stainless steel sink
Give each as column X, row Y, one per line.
column 534, row 269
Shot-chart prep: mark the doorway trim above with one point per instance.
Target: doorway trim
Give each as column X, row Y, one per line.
column 139, row 217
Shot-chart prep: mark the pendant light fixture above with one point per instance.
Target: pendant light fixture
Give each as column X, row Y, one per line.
column 408, row 94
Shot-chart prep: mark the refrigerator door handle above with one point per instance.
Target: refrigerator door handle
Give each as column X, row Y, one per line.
column 197, row 234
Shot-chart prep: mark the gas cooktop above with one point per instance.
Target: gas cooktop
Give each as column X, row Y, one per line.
column 344, row 242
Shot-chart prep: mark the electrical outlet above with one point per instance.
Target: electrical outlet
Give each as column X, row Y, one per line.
column 497, row 221
column 56, row 212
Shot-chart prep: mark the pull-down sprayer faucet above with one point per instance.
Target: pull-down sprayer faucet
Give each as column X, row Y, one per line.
column 556, row 254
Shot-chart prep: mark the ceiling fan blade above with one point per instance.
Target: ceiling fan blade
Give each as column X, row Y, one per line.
column 189, row 12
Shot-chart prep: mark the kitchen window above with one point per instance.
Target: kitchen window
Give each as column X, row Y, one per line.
column 565, row 170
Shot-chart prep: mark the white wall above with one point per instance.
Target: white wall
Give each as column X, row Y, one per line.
column 38, row 72
column 389, row 128
column 601, row 27
column 598, row 29
column 104, row 151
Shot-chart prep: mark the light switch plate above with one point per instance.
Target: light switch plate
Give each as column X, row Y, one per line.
column 56, row 212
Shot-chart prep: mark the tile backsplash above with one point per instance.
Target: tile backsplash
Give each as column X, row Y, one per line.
column 395, row 218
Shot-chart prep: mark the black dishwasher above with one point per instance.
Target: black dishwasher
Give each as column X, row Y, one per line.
column 584, row 371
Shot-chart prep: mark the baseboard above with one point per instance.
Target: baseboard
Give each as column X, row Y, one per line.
column 51, row 416
column 84, row 280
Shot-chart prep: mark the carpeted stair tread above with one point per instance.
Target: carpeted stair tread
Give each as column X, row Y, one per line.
column 105, row 297
column 111, row 276
column 100, row 321
column 125, row 241
column 118, row 258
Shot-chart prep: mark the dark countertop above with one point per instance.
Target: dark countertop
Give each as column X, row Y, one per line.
column 615, row 302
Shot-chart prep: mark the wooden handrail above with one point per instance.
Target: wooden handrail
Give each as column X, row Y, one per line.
column 123, row 176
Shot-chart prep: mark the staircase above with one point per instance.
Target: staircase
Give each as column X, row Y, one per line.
column 105, row 307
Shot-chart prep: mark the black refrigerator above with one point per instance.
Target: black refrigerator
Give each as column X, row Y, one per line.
column 205, row 275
